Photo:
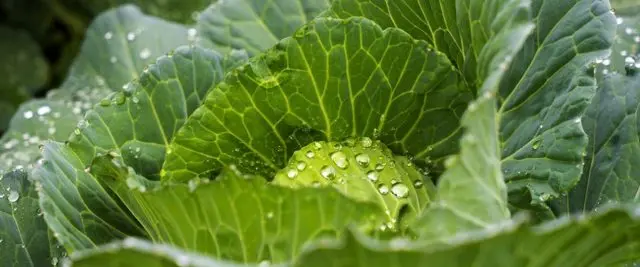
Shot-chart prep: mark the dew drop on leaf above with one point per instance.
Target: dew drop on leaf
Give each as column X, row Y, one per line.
column 383, row 189
column 366, row 142
column 13, row 196
column 372, row 176
column 28, row 114
column 363, row 160
column 105, row 102
column 400, row 190
column 328, row 172
column 536, row 144
column 292, row 173
column 44, row 110
column 418, row 183
column 145, row 53
column 310, row 154
column 340, row 159
column 379, row 167
column 108, row 35
column 301, row 166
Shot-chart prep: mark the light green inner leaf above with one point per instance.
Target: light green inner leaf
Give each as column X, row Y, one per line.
column 363, row 170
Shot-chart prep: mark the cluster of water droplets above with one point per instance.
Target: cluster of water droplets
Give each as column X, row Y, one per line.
column 625, row 56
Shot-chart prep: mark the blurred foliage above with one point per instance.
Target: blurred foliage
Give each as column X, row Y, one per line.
column 40, row 38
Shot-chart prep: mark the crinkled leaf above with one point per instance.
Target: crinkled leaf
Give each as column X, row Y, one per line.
column 23, row 70
column 334, row 79
column 140, row 120
column 76, row 207
column 363, row 170
column 239, row 218
column 611, row 170
column 609, row 238
column 545, row 91
column 475, row 35
column 133, row 252
column 253, row 25
column 471, row 193
column 610, row 173
column 545, row 94
column 24, row 236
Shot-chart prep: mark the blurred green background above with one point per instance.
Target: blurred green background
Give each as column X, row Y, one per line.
column 40, row 38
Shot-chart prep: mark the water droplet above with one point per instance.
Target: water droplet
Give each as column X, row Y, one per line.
column 337, row 146
column 301, row 165
column 536, row 144
column 310, row 154
column 54, row 261
column 418, row 183
column 366, row 142
column 28, row 114
column 13, row 196
column 379, row 167
column 363, row 160
column 135, row 99
column 317, row 145
column 108, row 35
column 400, row 190
column 270, row 215
column 131, row 36
column 113, row 59
column 619, row 21
column 383, row 189
column 191, row 34
column 372, row 176
column 119, row 98
column 328, row 172
column 340, row 159
column 44, row 110
column 105, row 102
column 145, row 53
column 292, row 173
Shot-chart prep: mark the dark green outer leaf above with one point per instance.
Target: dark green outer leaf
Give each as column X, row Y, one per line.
column 254, row 25
column 35, row 121
column 611, row 121
column 140, row 120
column 545, row 93
column 611, row 170
column 334, row 79
column 75, row 206
column 24, row 239
column 470, row 32
column 603, row 239
column 119, row 44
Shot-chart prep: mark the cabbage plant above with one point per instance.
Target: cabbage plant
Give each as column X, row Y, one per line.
column 335, row 133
